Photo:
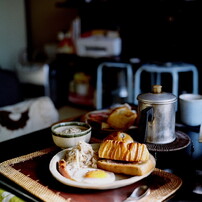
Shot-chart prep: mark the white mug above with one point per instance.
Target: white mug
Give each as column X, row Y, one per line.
column 191, row 109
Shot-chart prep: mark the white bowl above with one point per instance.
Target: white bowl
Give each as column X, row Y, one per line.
column 68, row 134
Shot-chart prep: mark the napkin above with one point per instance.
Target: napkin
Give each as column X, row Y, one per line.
column 6, row 196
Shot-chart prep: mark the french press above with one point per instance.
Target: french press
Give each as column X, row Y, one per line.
column 156, row 112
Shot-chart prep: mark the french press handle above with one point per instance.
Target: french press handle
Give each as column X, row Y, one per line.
column 146, row 115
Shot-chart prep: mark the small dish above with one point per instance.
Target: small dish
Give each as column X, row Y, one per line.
column 68, row 134
column 95, row 120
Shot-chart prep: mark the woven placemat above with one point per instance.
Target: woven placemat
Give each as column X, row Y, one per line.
column 165, row 185
column 161, row 183
column 33, row 186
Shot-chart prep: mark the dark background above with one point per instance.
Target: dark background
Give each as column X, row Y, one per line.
column 155, row 31
column 159, row 30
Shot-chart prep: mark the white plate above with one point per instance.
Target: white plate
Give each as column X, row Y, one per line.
column 121, row 180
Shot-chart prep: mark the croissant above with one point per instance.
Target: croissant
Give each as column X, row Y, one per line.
column 116, row 150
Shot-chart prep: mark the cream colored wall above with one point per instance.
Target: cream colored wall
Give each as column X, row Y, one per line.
column 46, row 20
column 12, row 32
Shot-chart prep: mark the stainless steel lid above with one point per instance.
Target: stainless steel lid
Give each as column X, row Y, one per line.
column 157, row 96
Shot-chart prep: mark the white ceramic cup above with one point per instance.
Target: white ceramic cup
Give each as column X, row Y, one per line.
column 191, row 109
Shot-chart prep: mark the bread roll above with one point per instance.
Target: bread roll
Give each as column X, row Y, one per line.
column 121, row 118
column 115, row 150
column 128, row 168
column 119, row 136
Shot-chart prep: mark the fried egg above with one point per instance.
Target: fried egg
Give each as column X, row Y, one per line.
column 93, row 176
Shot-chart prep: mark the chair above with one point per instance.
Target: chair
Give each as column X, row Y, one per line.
column 124, row 83
column 10, row 89
column 26, row 116
column 19, row 116
column 173, row 68
column 36, row 75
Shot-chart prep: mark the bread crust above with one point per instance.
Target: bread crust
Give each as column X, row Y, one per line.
column 128, row 168
column 119, row 136
column 116, row 150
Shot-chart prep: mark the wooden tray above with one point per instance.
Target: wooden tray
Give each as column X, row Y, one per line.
column 32, row 173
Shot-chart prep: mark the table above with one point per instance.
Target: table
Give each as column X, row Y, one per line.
column 184, row 163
